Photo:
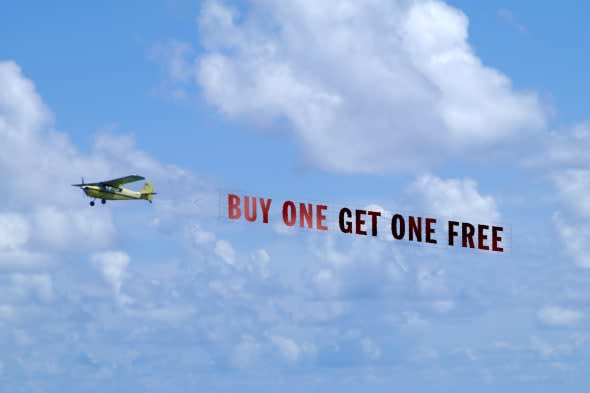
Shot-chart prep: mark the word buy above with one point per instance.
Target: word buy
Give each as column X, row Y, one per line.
column 367, row 222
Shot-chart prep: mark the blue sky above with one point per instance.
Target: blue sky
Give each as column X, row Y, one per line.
column 456, row 109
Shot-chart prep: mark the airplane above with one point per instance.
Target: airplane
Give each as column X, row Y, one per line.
column 112, row 190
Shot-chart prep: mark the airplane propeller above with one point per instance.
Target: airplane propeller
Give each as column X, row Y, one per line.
column 81, row 184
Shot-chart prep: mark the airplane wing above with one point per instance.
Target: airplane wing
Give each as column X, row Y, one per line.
column 122, row 180
column 114, row 182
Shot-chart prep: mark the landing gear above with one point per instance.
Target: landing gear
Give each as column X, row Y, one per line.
column 91, row 203
column 103, row 201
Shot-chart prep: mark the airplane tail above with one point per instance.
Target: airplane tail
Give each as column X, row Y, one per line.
column 147, row 192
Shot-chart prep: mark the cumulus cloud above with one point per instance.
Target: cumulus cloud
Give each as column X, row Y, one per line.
column 327, row 283
column 62, row 228
column 14, row 231
column 366, row 86
column 261, row 255
column 15, row 255
column 559, row 316
column 431, row 282
column 508, row 17
column 24, row 260
column 34, row 157
column 38, row 285
column 454, row 198
column 576, row 239
column 287, row 347
column 370, row 349
column 175, row 54
column 574, row 189
column 23, row 111
column 225, row 251
column 260, row 260
column 246, row 352
column 564, row 158
column 564, row 149
column 7, row 312
column 203, row 237
column 36, row 225
column 113, row 266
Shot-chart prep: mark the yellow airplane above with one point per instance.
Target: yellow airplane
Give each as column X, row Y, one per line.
column 112, row 190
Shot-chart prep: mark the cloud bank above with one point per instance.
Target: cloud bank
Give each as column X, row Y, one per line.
column 364, row 86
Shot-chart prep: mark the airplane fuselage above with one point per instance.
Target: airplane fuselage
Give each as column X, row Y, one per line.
column 111, row 193
column 111, row 190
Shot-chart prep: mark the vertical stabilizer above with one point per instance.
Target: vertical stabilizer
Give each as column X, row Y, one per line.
column 147, row 192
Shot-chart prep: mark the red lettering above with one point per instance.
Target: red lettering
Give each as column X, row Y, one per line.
column 430, row 230
column 467, row 234
column 481, row 237
column 360, row 222
column 265, row 206
column 415, row 228
column 320, row 217
column 496, row 239
column 306, row 214
column 233, row 207
column 289, row 213
column 374, row 216
column 345, row 226
column 250, row 214
column 452, row 232
column 398, row 227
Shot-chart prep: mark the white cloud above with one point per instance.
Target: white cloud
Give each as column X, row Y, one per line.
column 65, row 229
column 203, row 237
column 559, row 316
column 546, row 349
column 23, row 111
column 565, row 156
column 574, row 189
column 15, row 234
column 507, row 16
column 169, row 313
column 175, row 53
column 42, row 214
column 454, row 198
column 14, row 231
column 576, row 239
column 39, row 163
column 413, row 321
column 246, row 352
column 327, row 282
column 7, row 312
column 261, row 255
column 225, row 251
column 21, row 337
column 33, row 157
column 260, row 263
column 443, row 306
column 371, row 349
column 567, row 148
column 287, row 347
column 24, row 260
column 41, row 285
column 431, row 282
column 375, row 86
column 113, row 266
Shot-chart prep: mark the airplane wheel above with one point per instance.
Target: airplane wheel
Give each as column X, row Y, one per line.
column 103, row 201
column 91, row 203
